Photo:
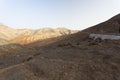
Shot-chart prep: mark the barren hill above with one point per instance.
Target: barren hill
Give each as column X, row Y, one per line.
column 24, row 36
column 72, row 57
column 42, row 34
column 6, row 32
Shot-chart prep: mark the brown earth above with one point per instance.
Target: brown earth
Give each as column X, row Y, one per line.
column 72, row 57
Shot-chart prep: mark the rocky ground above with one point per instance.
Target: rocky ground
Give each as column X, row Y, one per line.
column 72, row 57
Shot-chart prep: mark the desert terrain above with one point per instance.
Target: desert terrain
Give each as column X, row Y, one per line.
column 60, row 54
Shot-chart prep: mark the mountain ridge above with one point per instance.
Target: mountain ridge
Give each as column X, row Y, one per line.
column 25, row 36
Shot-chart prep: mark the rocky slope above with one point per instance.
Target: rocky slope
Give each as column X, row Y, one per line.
column 6, row 32
column 73, row 57
column 42, row 34
column 24, row 36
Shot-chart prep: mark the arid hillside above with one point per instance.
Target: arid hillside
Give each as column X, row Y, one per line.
column 69, row 57
column 42, row 34
column 25, row 36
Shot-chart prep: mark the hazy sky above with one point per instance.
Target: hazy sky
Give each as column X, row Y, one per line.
column 73, row 14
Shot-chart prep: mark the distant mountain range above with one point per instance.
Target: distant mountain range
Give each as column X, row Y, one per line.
column 24, row 36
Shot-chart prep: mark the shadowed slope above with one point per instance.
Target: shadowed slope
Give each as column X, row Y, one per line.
column 110, row 26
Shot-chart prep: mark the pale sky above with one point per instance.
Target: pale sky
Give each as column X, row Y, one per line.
column 72, row 14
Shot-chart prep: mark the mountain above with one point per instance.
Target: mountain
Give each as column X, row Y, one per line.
column 42, row 34
column 69, row 57
column 6, row 32
column 25, row 36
